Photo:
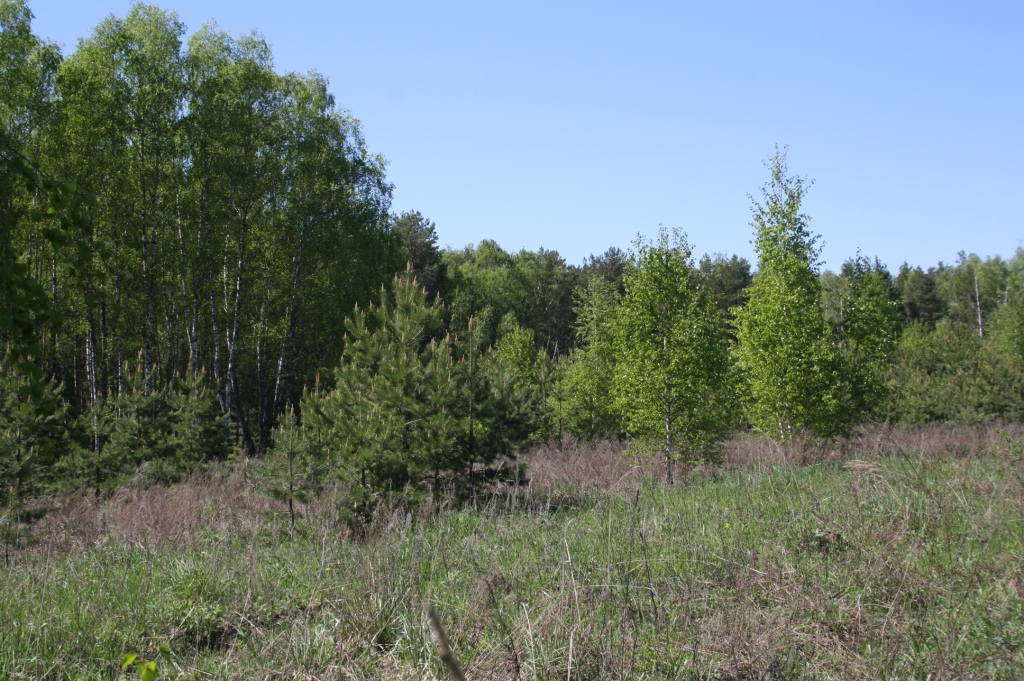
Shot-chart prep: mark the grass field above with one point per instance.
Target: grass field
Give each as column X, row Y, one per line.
column 898, row 555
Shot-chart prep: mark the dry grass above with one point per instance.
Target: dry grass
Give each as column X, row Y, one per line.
column 217, row 501
column 869, row 442
column 221, row 500
column 582, row 466
column 898, row 553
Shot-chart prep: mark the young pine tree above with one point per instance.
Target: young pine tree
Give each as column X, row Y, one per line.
column 294, row 468
column 389, row 418
column 198, row 428
column 35, row 441
column 138, row 435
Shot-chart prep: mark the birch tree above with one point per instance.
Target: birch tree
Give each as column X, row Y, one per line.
column 785, row 347
column 590, row 410
column 672, row 363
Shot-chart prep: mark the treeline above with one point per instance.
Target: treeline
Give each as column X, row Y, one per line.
column 220, row 277
column 238, row 209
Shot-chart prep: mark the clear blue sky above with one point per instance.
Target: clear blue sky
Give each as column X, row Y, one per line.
column 576, row 125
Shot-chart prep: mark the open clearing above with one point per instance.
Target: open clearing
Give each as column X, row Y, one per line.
column 900, row 556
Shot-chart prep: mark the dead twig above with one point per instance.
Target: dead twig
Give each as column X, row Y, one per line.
column 441, row 642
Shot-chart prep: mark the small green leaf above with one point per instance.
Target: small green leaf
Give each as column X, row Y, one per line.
column 127, row 660
column 165, row 650
column 148, row 671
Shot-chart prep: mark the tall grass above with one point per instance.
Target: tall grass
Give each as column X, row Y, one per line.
column 897, row 555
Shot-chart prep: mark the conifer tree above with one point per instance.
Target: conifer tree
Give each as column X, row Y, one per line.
column 294, row 469
column 138, row 432
column 35, row 437
column 198, row 429
column 390, row 416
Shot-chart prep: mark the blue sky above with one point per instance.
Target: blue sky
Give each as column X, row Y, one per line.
column 577, row 125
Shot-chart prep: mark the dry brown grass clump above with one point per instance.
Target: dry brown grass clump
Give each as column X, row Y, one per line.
column 873, row 441
column 219, row 501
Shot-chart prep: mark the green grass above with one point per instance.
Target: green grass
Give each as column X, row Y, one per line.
column 899, row 568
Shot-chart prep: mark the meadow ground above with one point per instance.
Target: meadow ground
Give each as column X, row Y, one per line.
column 896, row 554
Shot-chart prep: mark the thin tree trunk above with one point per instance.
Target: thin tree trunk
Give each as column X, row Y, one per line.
column 472, row 395
column 147, row 285
column 234, row 392
column 668, row 442
column 90, row 361
column 288, row 344
column 668, row 406
column 977, row 304
column 221, row 385
column 291, row 496
column 191, row 318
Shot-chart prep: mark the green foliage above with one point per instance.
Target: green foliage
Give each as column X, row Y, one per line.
column 411, row 406
column 152, row 436
column 25, row 307
column 589, row 381
column 535, row 287
column 973, row 288
column 507, row 410
column 294, row 469
column 919, row 298
column 555, row 391
column 672, row 365
column 517, row 348
column 35, row 436
column 861, row 305
column 610, row 267
column 26, row 81
column 1007, row 322
column 419, row 241
column 389, row 416
column 729, row 278
column 148, row 670
column 969, row 368
column 198, row 428
column 951, row 374
column 237, row 205
column 138, row 432
column 785, row 349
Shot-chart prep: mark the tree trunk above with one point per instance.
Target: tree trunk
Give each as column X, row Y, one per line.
column 668, row 444
column 288, row 343
column 234, row 402
column 977, row 305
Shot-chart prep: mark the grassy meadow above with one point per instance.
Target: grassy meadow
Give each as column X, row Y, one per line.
column 897, row 554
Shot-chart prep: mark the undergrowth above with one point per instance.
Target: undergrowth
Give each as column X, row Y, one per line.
column 896, row 566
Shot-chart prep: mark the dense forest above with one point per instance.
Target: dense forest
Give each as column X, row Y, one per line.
column 200, row 261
